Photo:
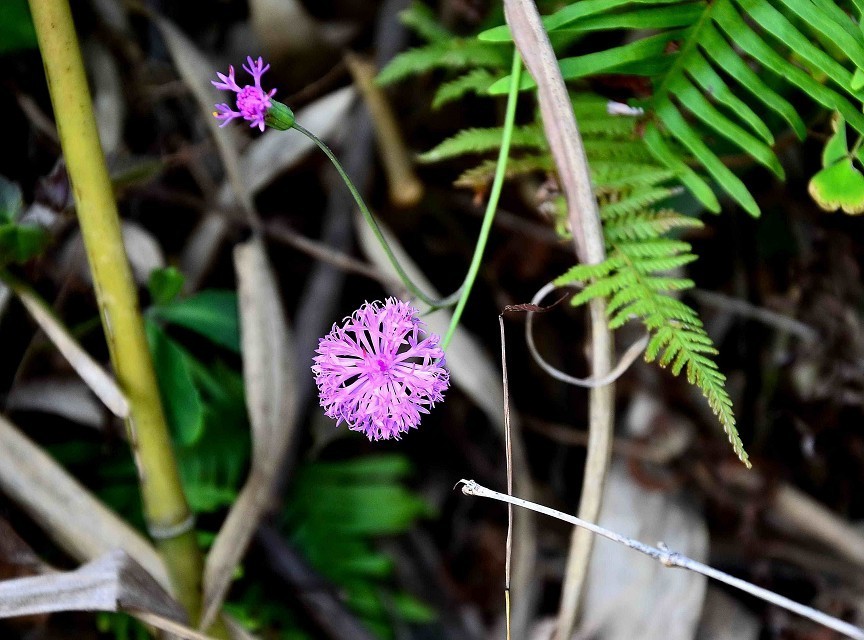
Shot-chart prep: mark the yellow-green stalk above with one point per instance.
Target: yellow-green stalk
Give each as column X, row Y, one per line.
column 166, row 510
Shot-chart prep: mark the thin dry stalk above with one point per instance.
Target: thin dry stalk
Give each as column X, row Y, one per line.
column 568, row 152
column 406, row 190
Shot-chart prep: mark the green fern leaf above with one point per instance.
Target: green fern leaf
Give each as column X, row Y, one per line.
column 479, row 177
column 643, row 225
column 450, row 54
column 475, row 81
column 481, row 140
column 692, row 98
column 422, row 20
column 631, row 278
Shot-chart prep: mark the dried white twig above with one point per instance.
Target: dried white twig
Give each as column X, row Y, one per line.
column 633, row 351
column 671, row 558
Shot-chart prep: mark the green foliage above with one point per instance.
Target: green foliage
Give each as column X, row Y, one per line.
column 181, row 398
column 636, row 280
column 627, row 185
column 16, row 27
column 19, row 241
column 121, row 625
column 442, row 51
column 475, row 81
column 840, row 184
column 204, row 402
column 714, row 69
column 165, row 285
column 211, row 313
column 334, row 512
column 700, row 67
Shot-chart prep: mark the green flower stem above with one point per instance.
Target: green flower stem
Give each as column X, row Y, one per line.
column 460, row 296
column 165, row 508
column 370, row 220
column 494, row 196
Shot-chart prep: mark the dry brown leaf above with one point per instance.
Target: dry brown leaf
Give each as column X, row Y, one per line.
column 202, row 249
column 269, row 381
column 142, row 249
column 109, row 103
column 69, row 398
column 112, row 582
column 78, row 522
column 91, row 372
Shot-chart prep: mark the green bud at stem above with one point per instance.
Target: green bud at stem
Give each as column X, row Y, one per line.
column 279, row 117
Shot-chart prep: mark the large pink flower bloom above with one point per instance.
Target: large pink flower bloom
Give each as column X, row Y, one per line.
column 252, row 101
column 378, row 371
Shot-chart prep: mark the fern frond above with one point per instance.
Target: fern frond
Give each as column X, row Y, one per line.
column 635, row 201
column 702, row 88
column 612, row 177
column 481, row 140
column 646, row 224
column 422, row 20
column 476, row 81
column 480, row 176
column 456, row 53
column 632, row 279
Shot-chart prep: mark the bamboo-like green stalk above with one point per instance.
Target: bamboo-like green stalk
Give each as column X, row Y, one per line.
column 166, row 510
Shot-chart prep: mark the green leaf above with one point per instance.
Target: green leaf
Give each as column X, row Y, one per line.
column 718, row 49
column 837, row 147
column 368, row 509
column 568, row 15
column 692, row 98
column 20, row 243
column 422, row 20
column 452, row 54
column 371, row 468
column 413, row 610
column 777, row 25
column 701, row 71
column 679, row 128
column 680, row 15
column 697, row 186
column 165, row 285
column 182, row 400
column 839, row 186
column 16, row 26
column 483, row 140
column 211, row 313
column 745, row 38
column 476, row 81
column 602, row 61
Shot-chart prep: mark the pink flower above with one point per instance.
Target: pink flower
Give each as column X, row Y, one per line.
column 252, row 101
column 378, row 372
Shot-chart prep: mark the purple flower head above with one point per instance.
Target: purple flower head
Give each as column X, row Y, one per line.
column 252, row 101
column 379, row 370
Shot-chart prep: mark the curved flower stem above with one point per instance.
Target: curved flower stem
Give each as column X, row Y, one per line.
column 370, row 220
column 165, row 508
column 494, row 196
column 460, row 296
